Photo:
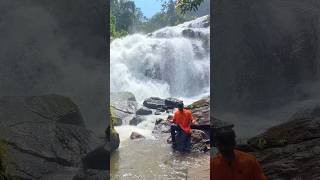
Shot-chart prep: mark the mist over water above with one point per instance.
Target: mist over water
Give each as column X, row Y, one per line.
column 173, row 61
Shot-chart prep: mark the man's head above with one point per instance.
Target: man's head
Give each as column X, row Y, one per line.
column 225, row 141
column 180, row 106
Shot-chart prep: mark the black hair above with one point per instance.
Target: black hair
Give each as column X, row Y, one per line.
column 180, row 105
column 224, row 136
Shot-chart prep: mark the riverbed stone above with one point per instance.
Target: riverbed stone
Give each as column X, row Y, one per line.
column 154, row 103
column 135, row 135
column 144, row 111
column 136, row 120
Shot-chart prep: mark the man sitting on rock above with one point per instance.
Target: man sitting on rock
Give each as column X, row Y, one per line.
column 232, row 164
column 182, row 121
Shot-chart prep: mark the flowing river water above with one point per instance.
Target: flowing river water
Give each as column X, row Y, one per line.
column 171, row 62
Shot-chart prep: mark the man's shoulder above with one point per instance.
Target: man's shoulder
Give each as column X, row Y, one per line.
column 245, row 156
column 187, row 111
column 217, row 158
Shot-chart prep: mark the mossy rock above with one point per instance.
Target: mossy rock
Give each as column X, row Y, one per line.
column 264, row 142
column 111, row 133
column 3, row 169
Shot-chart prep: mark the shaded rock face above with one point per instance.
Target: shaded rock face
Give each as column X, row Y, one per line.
column 264, row 51
column 98, row 158
column 290, row 150
column 39, row 142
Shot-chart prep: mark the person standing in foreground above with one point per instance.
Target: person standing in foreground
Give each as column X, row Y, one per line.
column 231, row 164
column 182, row 121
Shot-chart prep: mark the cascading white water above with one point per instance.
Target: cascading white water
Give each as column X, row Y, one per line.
column 171, row 62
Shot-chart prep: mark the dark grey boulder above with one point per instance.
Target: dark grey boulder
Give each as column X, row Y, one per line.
column 172, row 103
column 136, row 120
column 98, row 158
column 154, row 103
column 123, row 104
column 38, row 142
column 143, row 111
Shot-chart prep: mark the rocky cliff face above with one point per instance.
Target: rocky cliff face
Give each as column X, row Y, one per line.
column 291, row 150
column 264, row 51
column 45, row 137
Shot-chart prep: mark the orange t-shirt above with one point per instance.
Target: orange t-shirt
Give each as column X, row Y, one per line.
column 244, row 167
column 183, row 119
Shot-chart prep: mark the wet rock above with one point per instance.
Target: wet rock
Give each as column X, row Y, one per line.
column 112, row 137
column 135, row 135
column 162, row 109
column 154, row 103
column 158, row 121
column 172, row 103
column 98, row 158
column 117, row 121
column 197, row 135
column 37, row 141
column 144, row 111
column 123, row 104
column 157, row 113
column 136, row 120
column 189, row 33
column 292, row 132
column 201, row 110
column 290, row 150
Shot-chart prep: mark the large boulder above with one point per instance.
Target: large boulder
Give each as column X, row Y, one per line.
column 135, row 135
column 123, row 105
column 291, row 150
column 42, row 137
column 172, row 102
column 136, row 120
column 98, row 158
column 144, row 111
column 154, row 103
column 201, row 110
column 112, row 136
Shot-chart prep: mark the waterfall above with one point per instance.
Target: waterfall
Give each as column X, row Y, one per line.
column 170, row 62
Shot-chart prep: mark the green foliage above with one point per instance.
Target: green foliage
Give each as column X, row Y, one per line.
column 126, row 18
column 188, row 5
column 168, row 17
column 113, row 32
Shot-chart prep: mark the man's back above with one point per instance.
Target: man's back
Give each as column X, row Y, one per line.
column 243, row 167
column 183, row 119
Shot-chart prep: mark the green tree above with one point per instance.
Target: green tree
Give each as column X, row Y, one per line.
column 188, row 5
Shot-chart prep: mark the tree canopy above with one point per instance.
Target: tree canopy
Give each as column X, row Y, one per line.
column 126, row 18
